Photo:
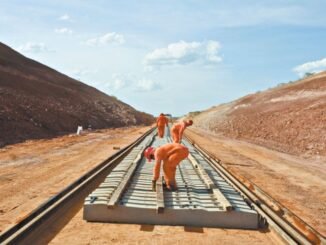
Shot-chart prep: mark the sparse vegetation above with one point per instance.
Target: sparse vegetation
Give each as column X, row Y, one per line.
column 308, row 74
column 194, row 113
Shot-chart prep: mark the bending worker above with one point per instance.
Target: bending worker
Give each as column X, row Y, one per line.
column 177, row 130
column 160, row 123
column 171, row 154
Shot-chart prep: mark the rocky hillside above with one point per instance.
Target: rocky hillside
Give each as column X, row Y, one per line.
column 39, row 102
column 290, row 118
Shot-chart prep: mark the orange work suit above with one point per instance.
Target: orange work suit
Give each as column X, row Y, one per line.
column 177, row 131
column 161, row 122
column 171, row 154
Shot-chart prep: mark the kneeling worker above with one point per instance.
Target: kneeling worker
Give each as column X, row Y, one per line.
column 171, row 155
column 161, row 122
column 177, row 130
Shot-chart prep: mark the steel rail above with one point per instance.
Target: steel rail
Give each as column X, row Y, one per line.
column 57, row 210
column 287, row 225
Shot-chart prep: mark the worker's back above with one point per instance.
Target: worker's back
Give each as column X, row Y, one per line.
column 178, row 126
column 165, row 151
column 161, row 121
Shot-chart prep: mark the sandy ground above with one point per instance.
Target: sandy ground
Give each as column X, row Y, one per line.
column 32, row 172
column 299, row 184
column 81, row 232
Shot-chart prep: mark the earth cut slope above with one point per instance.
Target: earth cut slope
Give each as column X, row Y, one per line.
column 290, row 118
column 39, row 102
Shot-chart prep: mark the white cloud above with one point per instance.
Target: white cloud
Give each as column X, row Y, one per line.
column 64, row 17
column 183, row 53
column 63, row 30
column 128, row 81
column 117, row 84
column 118, row 81
column 111, row 37
column 145, row 85
column 33, row 48
column 81, row 72
column 313, row 66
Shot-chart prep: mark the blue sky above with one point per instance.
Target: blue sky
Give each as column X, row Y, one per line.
column 171, row 56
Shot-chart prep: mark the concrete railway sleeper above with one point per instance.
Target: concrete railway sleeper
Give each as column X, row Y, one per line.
column 203, row 197
column 120, row 190
column 56, row 211
column 286, row 224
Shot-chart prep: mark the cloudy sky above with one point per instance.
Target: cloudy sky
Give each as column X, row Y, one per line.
column 171, row 56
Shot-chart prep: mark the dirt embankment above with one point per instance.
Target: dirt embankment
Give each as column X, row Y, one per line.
column 298, row 184
column 33, row 171
column 289, row 118
column 39, row 102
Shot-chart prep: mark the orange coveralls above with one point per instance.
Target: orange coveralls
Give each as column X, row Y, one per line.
column 171, row 154
column 161, row 122
column 177, row 131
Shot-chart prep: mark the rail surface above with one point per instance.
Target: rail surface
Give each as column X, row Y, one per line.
column 290, row 228
column 59, row 209
column 203, row 198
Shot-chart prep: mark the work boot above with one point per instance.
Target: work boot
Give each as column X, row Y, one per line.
column 153, row 185
column 172, row 188
column 164, row 183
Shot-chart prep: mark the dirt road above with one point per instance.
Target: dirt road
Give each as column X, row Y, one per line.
column 79, row 231
column 32, row 172
column 299, row 184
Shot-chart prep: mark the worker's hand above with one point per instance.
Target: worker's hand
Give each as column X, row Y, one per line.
column 153, row 185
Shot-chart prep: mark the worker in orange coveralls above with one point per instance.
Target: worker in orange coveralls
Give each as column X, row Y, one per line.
column 160, row 123
column 171, row 154
column 177, row 130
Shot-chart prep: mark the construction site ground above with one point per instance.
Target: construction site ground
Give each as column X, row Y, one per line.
column 299, row 184
column 33, row 171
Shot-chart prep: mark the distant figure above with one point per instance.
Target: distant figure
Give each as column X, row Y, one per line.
column 171, row 154
column 178, row 129
column 79, row 130
column 161, row 122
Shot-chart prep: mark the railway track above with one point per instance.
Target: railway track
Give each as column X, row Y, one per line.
column 288, row 226
column 203, row 197
column 57, row 211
